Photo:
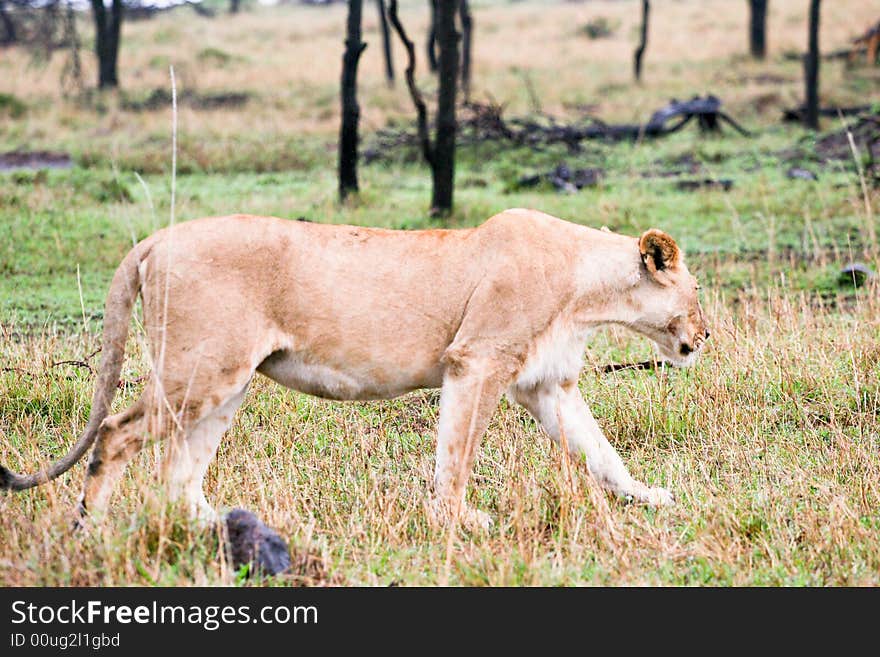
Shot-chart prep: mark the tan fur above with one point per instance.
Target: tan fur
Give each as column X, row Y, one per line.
column 347, row 312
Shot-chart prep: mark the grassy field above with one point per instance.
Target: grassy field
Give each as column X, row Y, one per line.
column 770, row 444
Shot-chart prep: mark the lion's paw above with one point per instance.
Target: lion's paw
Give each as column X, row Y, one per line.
column 476, row 520
column 439, row 513
column 659, row 497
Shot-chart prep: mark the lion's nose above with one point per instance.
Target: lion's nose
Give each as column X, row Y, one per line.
column 685, row 349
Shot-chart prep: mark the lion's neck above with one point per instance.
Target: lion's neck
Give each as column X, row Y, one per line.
column 607, row 279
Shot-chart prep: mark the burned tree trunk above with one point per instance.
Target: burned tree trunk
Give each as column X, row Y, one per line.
column 758, row 28
column 234, row 6
column 467, row 30
column 348, row 131
column 9, row 36
column 444, row 142
column 811, row 70
column 108, row 28
column 432, row 36
column 386, row 42
column 643, row 40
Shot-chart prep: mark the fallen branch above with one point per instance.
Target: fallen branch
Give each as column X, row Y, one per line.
column 642, row 365
column 869, row 43
column 832, row 55
column 796, row 114
column 725, row 184
column 81, row 363
column 564, row 179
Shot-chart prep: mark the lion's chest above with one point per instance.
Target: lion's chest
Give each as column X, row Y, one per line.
column 557, row 355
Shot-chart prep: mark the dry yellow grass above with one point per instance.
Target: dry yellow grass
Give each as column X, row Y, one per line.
column 770, row 446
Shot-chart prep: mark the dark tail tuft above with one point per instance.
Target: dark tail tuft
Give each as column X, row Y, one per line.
column 5, row 478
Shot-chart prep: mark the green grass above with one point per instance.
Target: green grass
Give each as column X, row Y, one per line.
column 52, row 221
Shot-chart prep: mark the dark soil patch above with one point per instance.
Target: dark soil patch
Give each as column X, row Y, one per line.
column 15, row 160
column 161, row 98
column 836, row 146
column 685, row 164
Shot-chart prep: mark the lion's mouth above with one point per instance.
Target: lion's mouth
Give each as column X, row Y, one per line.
column 682, row 354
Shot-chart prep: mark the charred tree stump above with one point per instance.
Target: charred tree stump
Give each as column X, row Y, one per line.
column 643, row 40
column 467, row 30
column 758, row 28
column 348, row 132
column 386, row 42
column 811, row 69
column 444, row 141
column 108, row 27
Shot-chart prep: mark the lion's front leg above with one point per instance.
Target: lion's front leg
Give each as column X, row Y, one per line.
column 467, row 400
column 555, row 404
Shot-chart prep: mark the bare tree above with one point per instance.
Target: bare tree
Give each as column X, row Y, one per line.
column 108, row 29
column 467, row 28
column 348, row 131
column 71, row 73
column 431, row 44
column 440, row 154
column 9, row 36
column 643, row 40
column 386, row 41
column 811, row 69
column 758, row 28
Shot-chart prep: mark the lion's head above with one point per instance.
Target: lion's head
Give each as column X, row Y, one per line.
column 667, row 299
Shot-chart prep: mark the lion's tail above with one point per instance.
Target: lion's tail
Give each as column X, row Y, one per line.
column 117, row 316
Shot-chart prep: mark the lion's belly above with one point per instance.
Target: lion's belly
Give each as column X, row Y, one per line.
column 321, row 379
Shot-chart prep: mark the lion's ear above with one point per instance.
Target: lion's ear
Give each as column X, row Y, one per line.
column 659, row 251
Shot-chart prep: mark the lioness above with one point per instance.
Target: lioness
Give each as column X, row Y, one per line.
column 353, row 313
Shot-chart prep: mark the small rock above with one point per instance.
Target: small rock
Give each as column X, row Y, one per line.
column 587, row 177
column 802, row 174
column 856, row 274
column 562, row 172
column 252, row 542
column 563, row 185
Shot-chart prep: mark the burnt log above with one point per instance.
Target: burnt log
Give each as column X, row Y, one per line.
column 797, row 114
column 484, row 122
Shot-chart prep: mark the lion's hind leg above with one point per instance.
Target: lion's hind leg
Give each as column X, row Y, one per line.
column 119, row 439
column 190, row 452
